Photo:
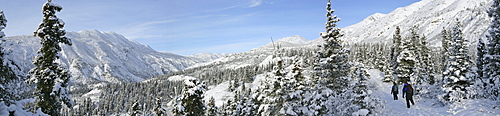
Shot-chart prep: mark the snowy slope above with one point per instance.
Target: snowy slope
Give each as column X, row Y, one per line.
column 427, row 107
column 208, row 56
column 99, row 57
column 293, row 41
column 429, row 15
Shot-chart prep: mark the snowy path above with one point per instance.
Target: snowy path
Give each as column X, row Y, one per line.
column 425, row 107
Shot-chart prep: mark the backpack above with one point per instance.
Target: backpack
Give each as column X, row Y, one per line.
column 395, row 88
column 407, row 88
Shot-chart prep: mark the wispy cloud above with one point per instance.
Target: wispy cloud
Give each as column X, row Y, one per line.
column 255, row 3
column 221, row 48
column 135, row 31
column 157, row 22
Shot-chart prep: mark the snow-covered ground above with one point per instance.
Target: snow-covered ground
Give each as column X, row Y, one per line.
column 428, row 107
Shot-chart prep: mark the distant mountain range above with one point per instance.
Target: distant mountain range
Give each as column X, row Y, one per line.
column 97, row 56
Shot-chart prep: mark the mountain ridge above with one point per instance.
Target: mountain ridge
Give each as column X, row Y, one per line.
column 97, row 56
column 430, row 17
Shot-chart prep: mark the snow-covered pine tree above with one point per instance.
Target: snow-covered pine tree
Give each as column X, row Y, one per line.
column 481, row 52
column 332, row 69
column 492, row 59
column 361, row 102
column 158, row 109
column 458, row 75
column 4, row 72
column 191, row 102
column 332, row 66
column 361, row 98
column 427, row 64
column 296, row 92
column 481, row 83
column 212, row 110
column 51, row 79
column 406, row 61
column 395, row 51
column 3, row 24
column 136, row 109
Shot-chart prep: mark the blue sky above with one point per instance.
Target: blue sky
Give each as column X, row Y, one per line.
column 188, row 27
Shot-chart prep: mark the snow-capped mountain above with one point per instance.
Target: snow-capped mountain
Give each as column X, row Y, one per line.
column 293, row 41
column 430, row 16
column 97, row 56
column 208, row 56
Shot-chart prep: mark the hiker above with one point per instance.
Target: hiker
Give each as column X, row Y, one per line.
column 394, row 90
column 408, row 91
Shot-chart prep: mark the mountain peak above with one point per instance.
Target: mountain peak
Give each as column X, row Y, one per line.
column 294, row 40
column 430, row 16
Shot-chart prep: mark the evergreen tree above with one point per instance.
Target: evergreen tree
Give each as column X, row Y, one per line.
column 3, row 24
column 332, row 65
column 481, row 52
column 191, row 102
column 51, row 80
column 482, row 82
column 6, row 75
column 136, row 109
column 158, row 109
column 296, row 91
column 331, row 68
column 395, row 50
column 492, row 59
column 446, row 44
column 362, row 99
column 458, row 74
column 406, row 61
column 212, row 110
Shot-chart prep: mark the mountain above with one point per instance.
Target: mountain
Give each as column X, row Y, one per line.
column 97, row 56
column 430, row 16
column 286, row 42
column 208, row 56
column 226, row 77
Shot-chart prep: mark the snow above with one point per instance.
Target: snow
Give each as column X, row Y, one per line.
column 286, row 42
column 97, row 56
column 427, row 107
column 208, row 56
column 179, row 78
column 429, row 15
column 220, row 93
column 361, row 112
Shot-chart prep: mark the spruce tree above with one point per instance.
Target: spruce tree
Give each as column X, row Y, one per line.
column 158, row 109
column 492, row 59
column 446, row 44
column 481, row 52
column 51, row 79
column 191, row 102
column 332, row 66
column 361, row 98
column 458, row 75
column 5, row 73
column 3, row 24
column 395, row 51
column 480, row 83
column 135, row 109
column 212, row 110
column 406, row 61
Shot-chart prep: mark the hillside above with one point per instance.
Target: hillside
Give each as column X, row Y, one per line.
column 269, row 80
column 430, row 16
column 97, row 56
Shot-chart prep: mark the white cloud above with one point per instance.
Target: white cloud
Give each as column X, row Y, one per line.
column 255, row 3
column 136, row 31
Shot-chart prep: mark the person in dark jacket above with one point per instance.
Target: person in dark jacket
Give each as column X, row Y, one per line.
column 394, row 90
column 408, row 91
